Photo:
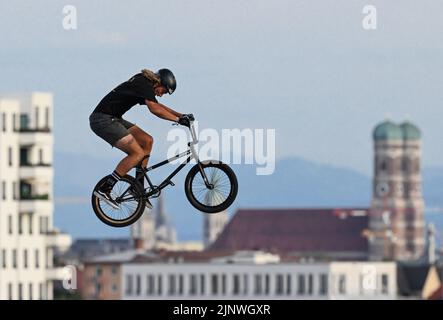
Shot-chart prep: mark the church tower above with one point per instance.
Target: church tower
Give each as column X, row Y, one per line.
column 396, row 220
column 213, row 225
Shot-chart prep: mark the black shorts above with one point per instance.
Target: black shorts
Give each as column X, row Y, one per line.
column 109, row 128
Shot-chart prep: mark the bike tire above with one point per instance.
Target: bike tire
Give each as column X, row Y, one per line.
column 190, row 193
column 123, row 222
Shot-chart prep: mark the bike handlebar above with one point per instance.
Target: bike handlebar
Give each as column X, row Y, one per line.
column 193, row 134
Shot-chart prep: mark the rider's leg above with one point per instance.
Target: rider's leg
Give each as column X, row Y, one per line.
column 145, row 141
column 135, row 154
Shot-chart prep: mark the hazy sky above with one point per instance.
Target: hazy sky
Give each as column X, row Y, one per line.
column 306, row 68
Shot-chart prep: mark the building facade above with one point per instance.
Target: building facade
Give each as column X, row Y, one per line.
column 396, row 218
column 27, row 235
column 226, row 279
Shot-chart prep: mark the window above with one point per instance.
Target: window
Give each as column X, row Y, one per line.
column 236, row 286
column 267, row 286
column 25, row 258
column 10, row 224
column 4, row 121
column 20, row 291
column 323, row 284
column 37, row 259
column 98, row 288
column 14, row 190
column 37, row 122
column 202, row 284
column 301, row 284
column 171, row 283
column 20, row 223
column 114, row 270
column 4, row 258
column 98, row 271
column 258, row 284
column 40, row 156
column 138, row 285
column 10, row 156
column 128, row 284
column 40, row 291
column 214, row 284
column 14, row 122
column 14, row 258
column 150, row 285
column 10, row 291
column 384, row 284
column 24, row 121
column 279, row 284
column 47, row 117
column 159, row 285
column 4, row 190
column 31, row 222
column 245, row 284
column 310, row 284
column 342, row 284
column 288, row 284
column 30, row 291
column 193, row 284
column 180, row 284
column 114, row 288
column 223, row 284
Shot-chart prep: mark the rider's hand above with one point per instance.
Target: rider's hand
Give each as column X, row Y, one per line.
column 184, row 120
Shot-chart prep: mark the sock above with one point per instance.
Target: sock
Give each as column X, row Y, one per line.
column 111, row 181
column 139, row 176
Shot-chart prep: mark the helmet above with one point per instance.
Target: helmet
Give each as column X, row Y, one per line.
column 167, row 79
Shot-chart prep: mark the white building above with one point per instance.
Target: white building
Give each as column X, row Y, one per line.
column 256, row 275
column 27, row 236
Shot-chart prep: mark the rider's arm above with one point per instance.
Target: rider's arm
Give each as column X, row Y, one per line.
column 162, row 111
column 175, row 113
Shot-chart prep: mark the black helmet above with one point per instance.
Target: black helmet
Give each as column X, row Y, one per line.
column 167, row 79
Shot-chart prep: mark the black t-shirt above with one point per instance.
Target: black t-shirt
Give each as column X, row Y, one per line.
column 126, row 95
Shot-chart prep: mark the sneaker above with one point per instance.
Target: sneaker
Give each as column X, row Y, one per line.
column 106, row 197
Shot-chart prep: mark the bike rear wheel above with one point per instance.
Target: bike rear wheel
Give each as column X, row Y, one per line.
column 129, row 194
column 220, row 195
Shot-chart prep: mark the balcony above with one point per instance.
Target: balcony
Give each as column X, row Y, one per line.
column 32, row 136
column 37, row 203
column 61, row 241
column 56, row 273
column 36, row 171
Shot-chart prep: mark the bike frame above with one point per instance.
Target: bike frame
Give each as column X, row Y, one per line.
column 191, row 153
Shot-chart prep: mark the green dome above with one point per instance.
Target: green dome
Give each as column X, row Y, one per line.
column 388, row 130
column 410, row 131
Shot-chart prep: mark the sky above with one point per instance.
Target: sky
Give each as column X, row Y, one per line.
column 304, row 68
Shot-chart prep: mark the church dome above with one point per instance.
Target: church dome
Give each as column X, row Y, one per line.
column 387, row 130
column 410, row 131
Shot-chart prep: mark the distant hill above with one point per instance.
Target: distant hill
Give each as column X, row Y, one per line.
column 295, row 183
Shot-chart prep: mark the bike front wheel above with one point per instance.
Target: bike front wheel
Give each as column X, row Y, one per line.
column 129, row 195
column 220, row 193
